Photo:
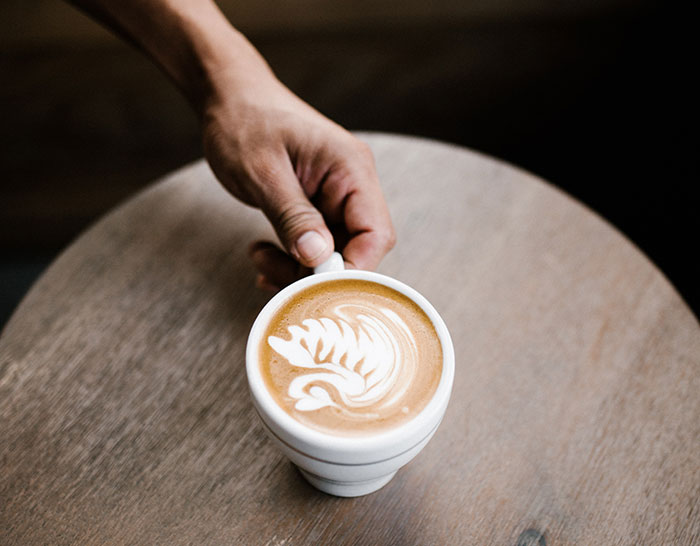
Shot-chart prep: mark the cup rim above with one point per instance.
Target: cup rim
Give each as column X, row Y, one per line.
column 305, row 437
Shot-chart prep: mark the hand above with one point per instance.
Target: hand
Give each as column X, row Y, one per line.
column 314, row 181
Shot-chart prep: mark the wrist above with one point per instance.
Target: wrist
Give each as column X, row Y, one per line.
column 215, row 59
column 191, row 41
column 233, row 72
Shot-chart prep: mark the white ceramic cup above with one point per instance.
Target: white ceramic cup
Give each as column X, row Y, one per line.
column 357, row 465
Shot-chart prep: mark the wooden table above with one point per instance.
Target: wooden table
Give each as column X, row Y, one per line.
column 575, row 416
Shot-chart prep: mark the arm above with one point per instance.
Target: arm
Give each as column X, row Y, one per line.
column 265, row 145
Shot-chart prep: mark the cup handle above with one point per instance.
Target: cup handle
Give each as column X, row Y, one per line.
column 334, row 263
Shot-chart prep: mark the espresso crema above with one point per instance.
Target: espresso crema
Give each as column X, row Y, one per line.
column 350, row 357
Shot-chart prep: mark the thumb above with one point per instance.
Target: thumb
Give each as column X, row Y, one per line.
column 299, row 225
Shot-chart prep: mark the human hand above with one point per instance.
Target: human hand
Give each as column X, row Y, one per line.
column 315, row 182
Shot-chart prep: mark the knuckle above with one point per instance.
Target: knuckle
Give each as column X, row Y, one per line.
column 295, row 218
column 364, row 151
column 387, row 238
column 358, row 162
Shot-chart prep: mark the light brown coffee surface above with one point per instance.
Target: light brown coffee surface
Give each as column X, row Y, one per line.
column 350, row 357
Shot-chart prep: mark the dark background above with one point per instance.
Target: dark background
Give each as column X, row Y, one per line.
column 596, row 99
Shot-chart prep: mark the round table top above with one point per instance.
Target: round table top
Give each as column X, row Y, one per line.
column 575, row 415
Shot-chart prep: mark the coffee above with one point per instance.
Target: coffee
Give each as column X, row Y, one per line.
column 350, row 357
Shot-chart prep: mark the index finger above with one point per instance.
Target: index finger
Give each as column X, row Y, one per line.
column 368, row 223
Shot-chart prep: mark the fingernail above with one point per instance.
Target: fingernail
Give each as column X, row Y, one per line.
column 311, row 245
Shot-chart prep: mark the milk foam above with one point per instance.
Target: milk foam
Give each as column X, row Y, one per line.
column 361, row 360
column 350, row 357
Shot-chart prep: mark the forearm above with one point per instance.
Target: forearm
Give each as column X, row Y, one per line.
column 265, row 145
column 190, row 40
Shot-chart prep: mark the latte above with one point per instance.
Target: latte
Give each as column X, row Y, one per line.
column 350, row 357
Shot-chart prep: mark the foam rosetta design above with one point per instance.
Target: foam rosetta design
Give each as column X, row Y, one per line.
column 360, row 360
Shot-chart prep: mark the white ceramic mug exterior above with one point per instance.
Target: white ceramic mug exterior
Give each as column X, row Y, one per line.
column 358, row 465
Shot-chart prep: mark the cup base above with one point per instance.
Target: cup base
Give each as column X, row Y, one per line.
column 346, row 489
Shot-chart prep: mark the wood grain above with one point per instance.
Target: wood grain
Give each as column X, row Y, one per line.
column 575, row 418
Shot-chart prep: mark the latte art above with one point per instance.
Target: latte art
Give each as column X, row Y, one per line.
column 349, row 356
column 358, row 359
